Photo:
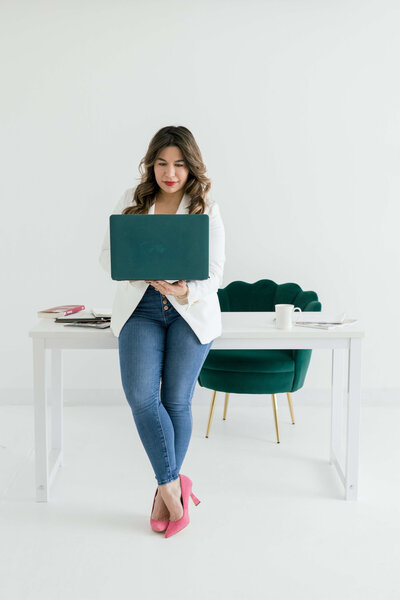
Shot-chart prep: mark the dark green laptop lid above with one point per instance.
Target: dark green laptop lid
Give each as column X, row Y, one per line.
column 159, row 247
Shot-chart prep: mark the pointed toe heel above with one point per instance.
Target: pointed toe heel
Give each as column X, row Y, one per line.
column 158, row 524
column 186, row 491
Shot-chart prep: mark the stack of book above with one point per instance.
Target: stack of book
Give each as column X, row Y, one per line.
column 98, row 318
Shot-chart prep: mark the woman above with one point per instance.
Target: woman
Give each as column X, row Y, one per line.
column 165, row 330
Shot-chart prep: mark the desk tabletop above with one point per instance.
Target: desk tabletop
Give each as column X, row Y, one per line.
column 256, row 325
column 262, row 325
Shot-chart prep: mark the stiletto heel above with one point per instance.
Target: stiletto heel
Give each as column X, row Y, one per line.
column 156, row 524
column 195, row 500
column 186, row 491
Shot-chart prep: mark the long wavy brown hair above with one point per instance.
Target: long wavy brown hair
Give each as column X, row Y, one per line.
column 197, row 184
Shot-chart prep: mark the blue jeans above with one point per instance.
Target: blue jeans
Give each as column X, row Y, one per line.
column 158, row 349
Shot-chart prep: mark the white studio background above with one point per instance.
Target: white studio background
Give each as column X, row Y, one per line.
column 295, row 105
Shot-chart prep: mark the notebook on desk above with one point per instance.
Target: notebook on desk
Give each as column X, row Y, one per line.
column 165, row 247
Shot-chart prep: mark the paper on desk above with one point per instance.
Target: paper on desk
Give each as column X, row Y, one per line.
column 327, row 325
column 320, row 318
column 101, row 312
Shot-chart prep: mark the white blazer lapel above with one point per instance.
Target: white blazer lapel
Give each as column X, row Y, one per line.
column 183, row 207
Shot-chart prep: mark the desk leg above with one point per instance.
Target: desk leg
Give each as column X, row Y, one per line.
column 338, row 356
column 336, row 455
column 57, row 402
column 40, row 416
column 353, row 419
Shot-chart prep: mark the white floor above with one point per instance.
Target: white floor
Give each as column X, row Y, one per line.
column 272, row 521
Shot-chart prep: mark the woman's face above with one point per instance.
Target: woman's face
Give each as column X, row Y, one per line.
column 170, row 166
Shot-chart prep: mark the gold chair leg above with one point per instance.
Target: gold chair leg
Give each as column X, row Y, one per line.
column 211, row 412
column 226, row 405
column 276, row 417
column 289, row 397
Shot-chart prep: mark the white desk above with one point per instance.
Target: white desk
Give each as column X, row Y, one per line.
column 250, row 330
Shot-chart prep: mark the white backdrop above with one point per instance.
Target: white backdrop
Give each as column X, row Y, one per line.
column 295, row 106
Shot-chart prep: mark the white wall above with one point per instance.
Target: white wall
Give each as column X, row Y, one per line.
column 295, row 106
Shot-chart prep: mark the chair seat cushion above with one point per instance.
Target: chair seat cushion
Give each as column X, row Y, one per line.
column 250, row 361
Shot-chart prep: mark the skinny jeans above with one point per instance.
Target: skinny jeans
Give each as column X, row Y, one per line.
column 160, row 360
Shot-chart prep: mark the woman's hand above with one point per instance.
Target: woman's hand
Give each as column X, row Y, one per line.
column 178, row 289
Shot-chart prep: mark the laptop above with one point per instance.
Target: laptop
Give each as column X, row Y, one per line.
column 165, row 247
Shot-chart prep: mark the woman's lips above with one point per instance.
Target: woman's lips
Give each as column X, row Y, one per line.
column 170, row 182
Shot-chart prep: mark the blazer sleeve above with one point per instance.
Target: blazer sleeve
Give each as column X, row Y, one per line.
column 104, row 257
column 200, row 288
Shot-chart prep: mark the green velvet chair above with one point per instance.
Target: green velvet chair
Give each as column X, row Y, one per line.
column 258, row 371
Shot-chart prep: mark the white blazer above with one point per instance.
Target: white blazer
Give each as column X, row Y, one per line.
column 201, row 310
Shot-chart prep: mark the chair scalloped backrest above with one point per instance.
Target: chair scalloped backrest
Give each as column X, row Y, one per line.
column 262, row 295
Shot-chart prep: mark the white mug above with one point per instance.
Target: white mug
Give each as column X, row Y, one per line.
column 284, row 315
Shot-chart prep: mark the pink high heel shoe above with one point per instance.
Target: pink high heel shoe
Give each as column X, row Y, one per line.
column 186, row 491
column 156, row 524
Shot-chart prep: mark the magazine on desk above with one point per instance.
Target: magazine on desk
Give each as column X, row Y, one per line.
column 318, row 320
column 96, row 324
column 327, row 325
column 97, row 318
